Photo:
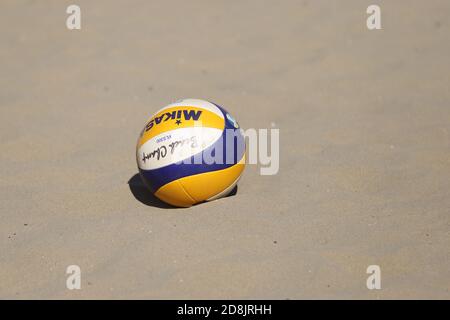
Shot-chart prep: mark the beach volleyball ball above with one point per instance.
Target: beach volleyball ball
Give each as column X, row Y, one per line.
column 191, row 151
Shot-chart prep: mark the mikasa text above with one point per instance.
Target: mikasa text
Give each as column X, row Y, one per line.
column 174, row 115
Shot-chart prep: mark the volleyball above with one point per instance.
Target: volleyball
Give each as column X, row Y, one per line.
column 191, row 151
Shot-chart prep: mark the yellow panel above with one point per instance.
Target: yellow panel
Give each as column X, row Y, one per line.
column 189, row 190
column 173, row 193
column 166, row 120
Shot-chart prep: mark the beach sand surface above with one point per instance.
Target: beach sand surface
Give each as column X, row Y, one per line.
column 364, row 122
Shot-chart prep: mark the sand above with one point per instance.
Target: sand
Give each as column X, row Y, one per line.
column 364, row 149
